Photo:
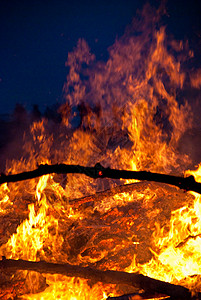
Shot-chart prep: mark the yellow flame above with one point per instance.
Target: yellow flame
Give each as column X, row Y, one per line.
column 195, row 173
column 177, row 252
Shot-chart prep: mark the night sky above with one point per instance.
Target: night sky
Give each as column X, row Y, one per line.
column 36, row 36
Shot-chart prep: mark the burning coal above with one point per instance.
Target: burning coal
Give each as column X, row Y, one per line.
column 127, row 113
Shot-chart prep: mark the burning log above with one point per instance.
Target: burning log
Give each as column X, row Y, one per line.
column 111, row 277
column 98, row 196
column 139, row 296
column 186, row 183
column 12, row 289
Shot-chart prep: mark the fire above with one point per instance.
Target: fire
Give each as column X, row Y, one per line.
column 177, row 258
column 71, row 289
column 5, row 203
column 195, row 173
column 125, row 114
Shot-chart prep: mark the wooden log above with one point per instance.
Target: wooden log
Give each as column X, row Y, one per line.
column 12, row 289
column 139, row 296
column 188, row 183
column 101, row 195
column 111, row 277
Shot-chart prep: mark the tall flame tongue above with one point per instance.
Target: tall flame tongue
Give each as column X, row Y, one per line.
column 125, row 114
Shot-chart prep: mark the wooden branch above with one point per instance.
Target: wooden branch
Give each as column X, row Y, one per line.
column 188, row 183
column 101, row 195
column 111, row 277
column 140, row 296
column 182, row 243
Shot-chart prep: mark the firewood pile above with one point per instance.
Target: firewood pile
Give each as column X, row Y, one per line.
column 113, row 226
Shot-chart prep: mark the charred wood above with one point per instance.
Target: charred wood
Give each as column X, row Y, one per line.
column 112, row 277
column 193, row 237
column 186, row 183
column 10, row 290
column 140, row 296
column 101, row 195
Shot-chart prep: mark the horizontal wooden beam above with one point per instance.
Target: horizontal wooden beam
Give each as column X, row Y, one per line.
column 185, row 183
column 109, row 276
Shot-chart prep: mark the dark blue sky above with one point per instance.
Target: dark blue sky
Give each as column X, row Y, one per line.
column 36, row 36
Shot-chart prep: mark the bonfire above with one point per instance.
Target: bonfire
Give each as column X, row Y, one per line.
column 102, row 203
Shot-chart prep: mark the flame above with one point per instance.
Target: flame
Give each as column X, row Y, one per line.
column 69, row 289
column 5, row 202
column 124, row 113
column 177, row 252
column 195, row 173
